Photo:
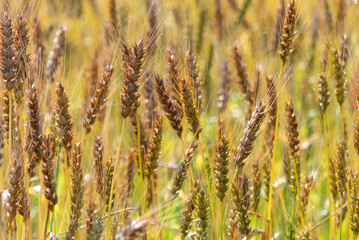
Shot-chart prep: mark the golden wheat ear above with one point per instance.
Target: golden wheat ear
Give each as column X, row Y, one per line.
column 246, row 143
column 56, row 53
column 7, row 56
column 98, row 165
column 35, row 130
column 21, row 57
column 182, row 169
column 63, row 117
column 48, row 172
column 77, row 192
column 168, row 106
column 221, row 166
column 341, row 167
column 188, row 209
column 288, row 32
column 224, row 89
column 339, row 76
column 99, row 98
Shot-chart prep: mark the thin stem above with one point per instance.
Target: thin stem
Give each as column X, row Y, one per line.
column 39, row 204
column 221, row 219
column 340, row 219
column 46, row 220
column 115, row 170
column 164, row 218
column 54, row 221
column 270, row 197
column 143, row 196
column 328, row 176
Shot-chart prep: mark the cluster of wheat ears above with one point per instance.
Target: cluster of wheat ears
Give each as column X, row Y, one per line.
column 203, row 119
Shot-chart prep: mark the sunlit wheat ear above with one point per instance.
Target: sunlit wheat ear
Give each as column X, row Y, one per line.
column 224, row 89
column 341, row 14
column 344, row 49
column 221, row 166
column 257, row 184
column 22, row 58
column 152, row 159
column 98, row 165
column 63, row 117
column 242, row 75
column 99, row 98
column 56, row 52
column 11, row 202
column 23, row 207
column 132, row 61
column 39, row 49
column 189, row 105
column 175, row 82
column 154, row 151
column 325, row 56
column 181, row 174
column 193, row 78
column 187, row 210
column 280, row 15
column 173, row 115
column 292, row 136
column 97, row 227
column 5, row 109
column 289, row 172
column 202, row 212
column 77, row 192
column 152, row 33
column 304, row 193
column 34, row 130
column 323, row 92
column 128, row 178
column 339, row 77
column 246, row 143
column 89, row 218
column 108, row 178
column 238, row 215
column 112, row 12
column 288, row 32
column 151, row 190
column 91, row 78
column 272, row 107
column 7, row 56
column 341, row 167
column 48, row 167
column 132, row 230
column 266, row 176
column 218, row 18
column 354, row 203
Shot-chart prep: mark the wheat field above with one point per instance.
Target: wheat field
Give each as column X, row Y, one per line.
column 192, row 119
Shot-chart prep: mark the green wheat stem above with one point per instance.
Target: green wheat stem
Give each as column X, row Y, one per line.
column 113, row 180
column 143, row 196
column 328, row 176
column 271, row 181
